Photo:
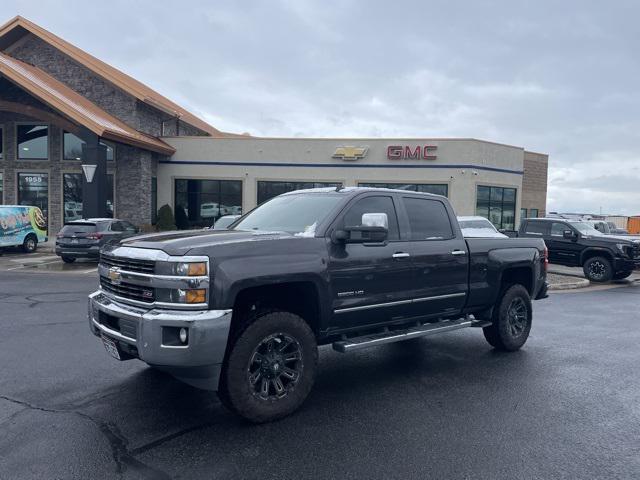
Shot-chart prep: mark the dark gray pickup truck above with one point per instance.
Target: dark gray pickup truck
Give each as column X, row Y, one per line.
column 242, row 311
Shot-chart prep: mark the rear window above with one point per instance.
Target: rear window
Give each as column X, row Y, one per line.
column 79, row 228
column 428, row 219
column 537, row 228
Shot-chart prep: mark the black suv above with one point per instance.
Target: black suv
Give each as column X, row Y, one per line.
column 576, row 243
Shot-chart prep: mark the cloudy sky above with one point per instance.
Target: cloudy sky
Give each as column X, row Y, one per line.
column 561, row 78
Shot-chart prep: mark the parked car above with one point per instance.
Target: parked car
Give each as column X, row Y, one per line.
column 616, row 230
column 242, row 311
column 577, row 243
column 223, row 222
column 209, row 210
column 85, row 238
column 22, row 226
column 478, row 227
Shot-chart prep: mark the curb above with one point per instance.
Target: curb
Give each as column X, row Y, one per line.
column 582, row 283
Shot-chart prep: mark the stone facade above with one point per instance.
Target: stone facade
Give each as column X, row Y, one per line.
column 534, row 182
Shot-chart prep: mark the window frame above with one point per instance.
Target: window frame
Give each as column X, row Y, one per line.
column 258, row 181
column 537, row 212
column 338, row 222
column 490, row 204
column 175, row 179
column 34, row 172
column 2, row 149
column 17, row 144
column 70, row 171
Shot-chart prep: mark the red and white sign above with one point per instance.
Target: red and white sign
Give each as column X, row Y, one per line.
column 411, row 152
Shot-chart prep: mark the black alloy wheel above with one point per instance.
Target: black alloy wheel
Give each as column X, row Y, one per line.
column 511, row 320
column 598, row 269
column 275, row 366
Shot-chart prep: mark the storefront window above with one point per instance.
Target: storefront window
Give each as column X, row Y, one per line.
column 435, row 188
column 523, row 213
column 498, row 204
column 204, row 201
column 1, row 145
column 73, row 147
column 33, row 190
column 267, row 190
column 534, row 213
column 72, row 192
column 1, row 188
column 33, row 142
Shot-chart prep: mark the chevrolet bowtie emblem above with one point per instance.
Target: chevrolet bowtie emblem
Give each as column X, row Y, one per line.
column 350, row 153
column 114, row 275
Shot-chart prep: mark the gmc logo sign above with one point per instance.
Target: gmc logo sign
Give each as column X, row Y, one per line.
column 406, row 152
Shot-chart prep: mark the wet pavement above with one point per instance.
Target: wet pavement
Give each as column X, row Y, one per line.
column 447, row 406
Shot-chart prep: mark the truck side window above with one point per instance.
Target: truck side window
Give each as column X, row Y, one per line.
column 428, row 219
column 557, row 229
column 353, row 217
column 536, row 228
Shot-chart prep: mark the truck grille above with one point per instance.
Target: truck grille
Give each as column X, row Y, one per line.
column 128, row 290
column 128, row 264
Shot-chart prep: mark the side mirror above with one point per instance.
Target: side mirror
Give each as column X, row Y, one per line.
column 373, row 229
column 569, row 235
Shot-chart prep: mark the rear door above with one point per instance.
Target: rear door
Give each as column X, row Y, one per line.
column 439, row 256
column 369, row 282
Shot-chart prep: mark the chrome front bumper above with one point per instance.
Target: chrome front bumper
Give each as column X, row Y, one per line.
column 141, row 330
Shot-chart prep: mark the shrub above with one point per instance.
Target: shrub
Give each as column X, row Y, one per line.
column 165, row 219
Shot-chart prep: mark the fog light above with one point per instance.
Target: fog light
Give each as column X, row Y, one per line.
column 196, row 296
column 183, row 335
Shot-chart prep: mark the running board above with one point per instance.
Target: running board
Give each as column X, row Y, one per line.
column 357, row 343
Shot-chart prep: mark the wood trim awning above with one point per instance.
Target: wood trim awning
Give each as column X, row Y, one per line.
column 76, row 107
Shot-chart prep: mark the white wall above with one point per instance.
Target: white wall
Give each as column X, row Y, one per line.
column 450, row 153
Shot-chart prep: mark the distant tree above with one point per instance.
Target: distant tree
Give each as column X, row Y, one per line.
column 165, row 219
column 182, row 222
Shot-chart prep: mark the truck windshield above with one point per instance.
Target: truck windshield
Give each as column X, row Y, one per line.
column 298, row 214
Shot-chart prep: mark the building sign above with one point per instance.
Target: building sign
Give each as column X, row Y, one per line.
column 350, row 153
column 407, row 152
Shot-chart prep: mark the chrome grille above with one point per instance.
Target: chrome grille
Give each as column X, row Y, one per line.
column 128, row 264
column 128, row 290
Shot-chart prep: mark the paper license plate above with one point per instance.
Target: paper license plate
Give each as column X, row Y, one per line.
column 111, row 347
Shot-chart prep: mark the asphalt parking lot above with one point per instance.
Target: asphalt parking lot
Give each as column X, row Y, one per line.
column 566, row 406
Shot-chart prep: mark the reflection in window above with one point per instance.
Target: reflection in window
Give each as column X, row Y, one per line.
column 267, row 190
column 435, row 188
column 73, row 147
column 33, row 142
column 498, row 204
column 33, row 190
column 72, row 193
column 204, row 201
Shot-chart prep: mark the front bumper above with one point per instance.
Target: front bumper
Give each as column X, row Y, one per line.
column 625, row 264
column 139, row 331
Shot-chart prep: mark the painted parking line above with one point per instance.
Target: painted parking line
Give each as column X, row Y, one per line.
column 33, row 259
column 30, row 265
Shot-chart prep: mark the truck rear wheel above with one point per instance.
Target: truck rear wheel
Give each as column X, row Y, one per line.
column 598, row 269
column 271, row 367
column 511, row 319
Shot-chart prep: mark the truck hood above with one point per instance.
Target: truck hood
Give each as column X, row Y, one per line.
column 614, row 239
column 180, row 242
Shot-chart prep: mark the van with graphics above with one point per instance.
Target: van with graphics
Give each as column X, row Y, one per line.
column 22, row 226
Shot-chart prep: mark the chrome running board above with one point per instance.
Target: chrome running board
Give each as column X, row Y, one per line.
column 371, row 340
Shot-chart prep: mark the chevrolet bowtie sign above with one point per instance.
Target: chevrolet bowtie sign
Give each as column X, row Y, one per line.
column 350, row 153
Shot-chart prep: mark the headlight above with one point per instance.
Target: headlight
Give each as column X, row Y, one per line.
column 182, row 269
column 179, row 295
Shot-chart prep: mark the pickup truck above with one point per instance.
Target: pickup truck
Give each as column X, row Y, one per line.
column 578, row 243
column 243, row 311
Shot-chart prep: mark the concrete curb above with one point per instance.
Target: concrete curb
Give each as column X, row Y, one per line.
column 579, row 283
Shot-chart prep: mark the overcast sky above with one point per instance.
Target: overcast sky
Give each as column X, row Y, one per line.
column 561, row 78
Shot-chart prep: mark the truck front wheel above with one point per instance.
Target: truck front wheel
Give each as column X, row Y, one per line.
column 271, row 367
column 598, row 269
column 511, row 319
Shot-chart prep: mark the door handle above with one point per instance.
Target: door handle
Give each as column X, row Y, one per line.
column 458, row 252
column 400, row 255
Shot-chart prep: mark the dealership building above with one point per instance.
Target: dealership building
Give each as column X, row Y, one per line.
column 78, row 138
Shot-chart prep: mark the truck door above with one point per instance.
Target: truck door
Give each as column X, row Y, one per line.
column 565, row 250
column 439, row 256
column 369, row 281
